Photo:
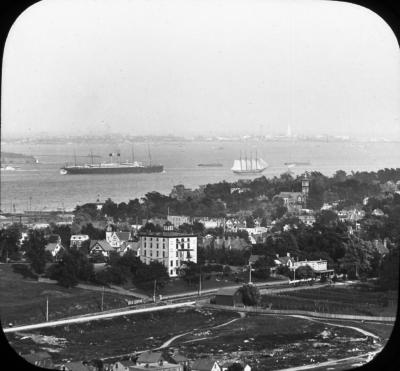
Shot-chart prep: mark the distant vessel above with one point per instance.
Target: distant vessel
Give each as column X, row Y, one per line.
column 8, row 168
column 214, row 164
column 249, row 165
column 16, row 158
column 296, row 163
column 133, row 167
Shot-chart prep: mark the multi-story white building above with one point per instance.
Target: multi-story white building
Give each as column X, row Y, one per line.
column 170, row 248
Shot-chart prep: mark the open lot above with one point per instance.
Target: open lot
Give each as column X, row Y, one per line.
column 336, row 299
column 273, row 342
column 23, row 301
column 116, row 336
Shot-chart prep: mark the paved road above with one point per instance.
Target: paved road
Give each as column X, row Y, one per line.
column 96, row 317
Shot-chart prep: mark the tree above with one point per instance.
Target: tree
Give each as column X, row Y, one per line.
column 9, row 241
column 250, row 294
column 304, row 272
column 146, row 274
column 262, row 268
column 235, row 367
column 73, row 267
column 389, row 270
column 35, row 252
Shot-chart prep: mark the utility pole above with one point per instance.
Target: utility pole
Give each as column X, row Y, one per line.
column 154, row 294
column 200, row 284
column 102, row 299
column 250, row 272
column 47, row 309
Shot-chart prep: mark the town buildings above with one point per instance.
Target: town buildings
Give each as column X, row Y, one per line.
column 169, row 248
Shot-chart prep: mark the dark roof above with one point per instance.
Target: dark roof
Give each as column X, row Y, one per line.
column 76, row 366
column 227, row 291
column 167, row 234
column 124, row 236
column 177, row 357
column 150, row 357
column 103, row 244
column 127, row 363
column 203, row 364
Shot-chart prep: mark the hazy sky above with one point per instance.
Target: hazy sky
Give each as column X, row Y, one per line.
column 201, row 67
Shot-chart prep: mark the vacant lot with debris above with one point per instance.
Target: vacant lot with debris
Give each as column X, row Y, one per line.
column 275, row 342
column 116, row 336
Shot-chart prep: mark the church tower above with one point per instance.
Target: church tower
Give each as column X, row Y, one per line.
column 305, row 187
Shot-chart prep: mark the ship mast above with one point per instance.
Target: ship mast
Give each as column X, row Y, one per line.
column 133, row 156
column 148, row 149
column 241, row 168
column 251, row 161
column 245, row 159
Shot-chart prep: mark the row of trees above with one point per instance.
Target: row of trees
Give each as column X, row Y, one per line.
column 258, row 196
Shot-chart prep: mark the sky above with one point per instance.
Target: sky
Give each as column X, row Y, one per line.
column 200, row 67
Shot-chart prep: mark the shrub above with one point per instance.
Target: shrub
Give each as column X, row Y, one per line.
column 24, row 270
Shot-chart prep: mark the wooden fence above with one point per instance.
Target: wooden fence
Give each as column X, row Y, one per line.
column 299, row 312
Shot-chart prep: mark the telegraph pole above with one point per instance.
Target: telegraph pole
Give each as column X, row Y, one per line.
column 250, row 272
column 200, row 284
column 154, row 294
column 47, row 309
column 102, row 300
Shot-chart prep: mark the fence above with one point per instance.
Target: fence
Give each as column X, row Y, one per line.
column 299, row 312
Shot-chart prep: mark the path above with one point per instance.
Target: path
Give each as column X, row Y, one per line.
column 364, row 332
column 96, row 317
column 168, row 342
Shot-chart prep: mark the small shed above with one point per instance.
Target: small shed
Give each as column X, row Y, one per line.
column 229, row 296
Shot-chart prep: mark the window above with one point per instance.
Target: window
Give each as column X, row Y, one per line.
column 177, row 263
column 157, row 254
column 171, row 272
column 172, row 263
column 163, row 254
column 177, row 254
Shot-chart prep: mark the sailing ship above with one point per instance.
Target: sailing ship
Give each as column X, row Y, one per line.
column 112, row 167
column 249, row 165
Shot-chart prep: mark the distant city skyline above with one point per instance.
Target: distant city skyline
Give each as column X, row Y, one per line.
column 201, row 68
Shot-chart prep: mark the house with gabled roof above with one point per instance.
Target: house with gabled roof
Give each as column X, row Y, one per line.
column 116, row 239
column 101, row 247
column 150, row 358
column 54, row 248
column 205, row 364
column 123, row 365
column 287, row 260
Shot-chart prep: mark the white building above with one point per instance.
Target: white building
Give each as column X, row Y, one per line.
column 178, row 220
column 78, row 239
column 170, row 248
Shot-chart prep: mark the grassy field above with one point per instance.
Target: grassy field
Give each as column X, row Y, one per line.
column 331, row 299
column 23, row 301
column 121, row 335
